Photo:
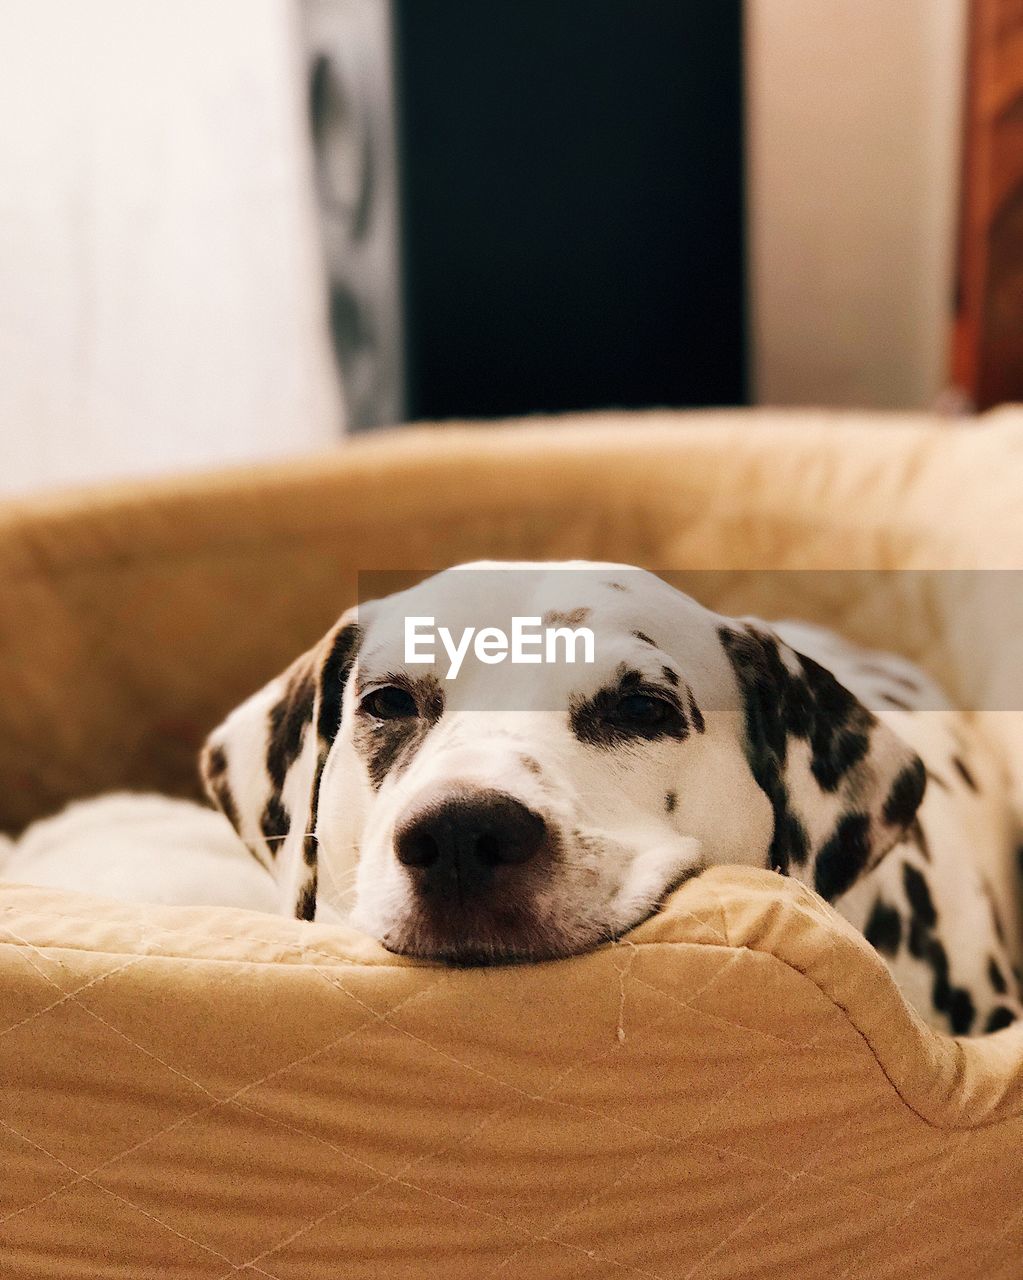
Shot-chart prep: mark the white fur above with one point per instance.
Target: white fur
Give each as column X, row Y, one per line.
column 142, row 848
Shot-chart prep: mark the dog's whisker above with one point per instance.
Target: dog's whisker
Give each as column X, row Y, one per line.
column 345, row 881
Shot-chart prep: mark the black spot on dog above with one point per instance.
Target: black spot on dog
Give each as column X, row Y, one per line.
column 838, row 726
column 670, row 676
column 597, row 720
column 763, row 683
column 389, row 746
column 642, row 635
column 954, row 1002
column 996, row 916
column 215, row 763
column 670, row 801
column 920, row 901
column 998, row 1018
column 531, row 765
column 616, row 586
column 305, row 907
column 695, row 714
column 964, row 773
column 275, row 822
column 961, row 1011
column 224, row 797
column 288, row 720
column 844, row 856
column 918, row 837
column 893, row 701
column 883, row 929
column 996, row 977
column 794, row 840
column 574, row 618
column 907, row 792
column 214, row 768
column 310, row 847
column 756, row 665
column 935, row 955
column 333, row 678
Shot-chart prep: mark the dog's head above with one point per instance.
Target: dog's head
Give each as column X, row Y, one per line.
column 534, row 810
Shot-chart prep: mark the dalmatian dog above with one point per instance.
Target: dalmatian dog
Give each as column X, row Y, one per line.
column 525, row 812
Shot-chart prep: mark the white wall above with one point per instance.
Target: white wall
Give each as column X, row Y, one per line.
column 853, row 118
column 161, row 293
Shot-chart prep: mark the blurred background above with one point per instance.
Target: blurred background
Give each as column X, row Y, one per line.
column 237, row 229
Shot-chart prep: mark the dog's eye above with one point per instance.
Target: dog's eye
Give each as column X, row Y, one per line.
column 644, row 711
column 390, row 702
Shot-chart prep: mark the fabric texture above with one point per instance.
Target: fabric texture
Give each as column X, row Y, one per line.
column 736, row 1090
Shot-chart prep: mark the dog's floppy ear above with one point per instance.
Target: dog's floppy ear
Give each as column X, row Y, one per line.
column 844, row 788
column 262, row 766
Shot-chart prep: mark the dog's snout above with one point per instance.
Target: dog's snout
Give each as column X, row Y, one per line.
column 464, row 835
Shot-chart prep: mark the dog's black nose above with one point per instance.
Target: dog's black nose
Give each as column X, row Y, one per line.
column 460, row 836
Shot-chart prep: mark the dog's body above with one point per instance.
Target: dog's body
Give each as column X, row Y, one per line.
column 518, row 814
column 141, row 848
column 931, row 906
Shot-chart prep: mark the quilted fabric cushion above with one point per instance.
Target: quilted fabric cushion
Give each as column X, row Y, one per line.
column 737, row 1090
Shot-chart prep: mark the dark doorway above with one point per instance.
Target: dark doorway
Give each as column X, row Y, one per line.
column 572, row 204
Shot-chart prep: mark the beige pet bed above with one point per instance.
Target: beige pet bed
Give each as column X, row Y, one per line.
column 737, row 1091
